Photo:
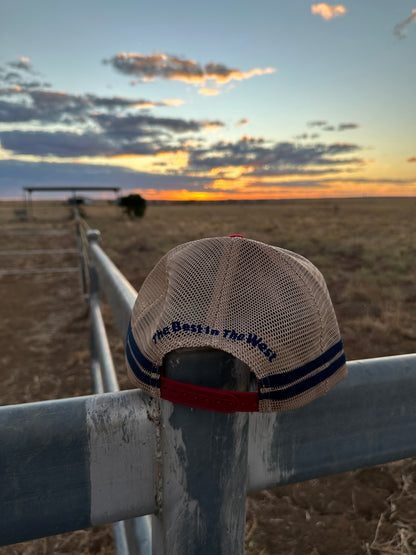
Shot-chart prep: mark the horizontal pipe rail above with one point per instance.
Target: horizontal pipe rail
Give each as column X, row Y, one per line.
column 90, row 460
column 38, row 251
column 120, row 294
column 73, row 463
column 368, row 419
column 36, row 231
column 39, row 271
column 99, row 338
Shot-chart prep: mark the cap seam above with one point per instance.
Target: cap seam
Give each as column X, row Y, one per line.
column 222, row 294
column 288, row 263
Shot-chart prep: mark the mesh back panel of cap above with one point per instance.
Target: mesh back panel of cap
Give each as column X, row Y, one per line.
column 267, row 306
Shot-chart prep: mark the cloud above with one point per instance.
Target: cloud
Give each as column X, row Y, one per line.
column 105, row 126
column 222, row 74
column 123, row 102
column 114, row 141
column 400, row 30
column 327, row 127
column 209, row 92
column 15, row 79
column 255, row 189
column 242, row 121
column 23, row 64
column 411, row 159
column 257, row 156
column 347, row 126
column 133, row 125
column 375, row 180
column 61, row 144
column 172, row 102
column 55, row 106
column 289, row 184
column 317, row 123
column 11, row 76
column 150, row 67
column 27, row 174
column 13, row 112
column 328, row 12
column 18, row 75
column 270, row 188
column 292, row 171
column 23, row 100
column 39, row 105
column 114, row 135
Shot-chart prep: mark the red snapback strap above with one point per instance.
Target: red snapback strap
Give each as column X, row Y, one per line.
column 207, row 398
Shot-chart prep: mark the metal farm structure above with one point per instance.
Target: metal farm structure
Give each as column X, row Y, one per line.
column 174, row 479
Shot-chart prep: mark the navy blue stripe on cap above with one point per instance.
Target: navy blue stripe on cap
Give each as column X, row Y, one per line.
column 138, row 372
column 285, row 378
column 305, row 385
column 139, row 361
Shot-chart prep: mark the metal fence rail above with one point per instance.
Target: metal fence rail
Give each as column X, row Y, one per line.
column 38, row 251
column 92, row 460
column 114, row 456
column 67, row 269
column 73, row 463
column 133, row 536
column 119, row 293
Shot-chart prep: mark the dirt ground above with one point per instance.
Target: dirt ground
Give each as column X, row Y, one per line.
column 44, row 354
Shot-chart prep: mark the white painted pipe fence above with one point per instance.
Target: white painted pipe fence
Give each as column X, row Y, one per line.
column 73, row 463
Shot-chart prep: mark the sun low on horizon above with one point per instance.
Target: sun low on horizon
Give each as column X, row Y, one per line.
column 237, row 101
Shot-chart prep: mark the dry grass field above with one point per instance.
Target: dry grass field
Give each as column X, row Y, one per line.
column 366, row 250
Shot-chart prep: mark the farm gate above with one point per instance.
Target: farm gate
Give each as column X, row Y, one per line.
column 174, row 479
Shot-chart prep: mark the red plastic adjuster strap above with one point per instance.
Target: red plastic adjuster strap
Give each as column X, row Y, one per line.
column 207, row 398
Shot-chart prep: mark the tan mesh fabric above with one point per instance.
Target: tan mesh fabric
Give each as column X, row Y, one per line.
column 265, row 305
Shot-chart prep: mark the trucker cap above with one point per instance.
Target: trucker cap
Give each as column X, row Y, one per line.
column 267, row 306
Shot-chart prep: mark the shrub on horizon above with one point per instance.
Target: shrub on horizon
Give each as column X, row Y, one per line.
column 133, row 205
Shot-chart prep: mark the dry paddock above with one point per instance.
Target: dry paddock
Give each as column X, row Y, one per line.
column 366, row 251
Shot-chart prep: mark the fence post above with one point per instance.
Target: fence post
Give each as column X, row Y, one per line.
column 203, row 462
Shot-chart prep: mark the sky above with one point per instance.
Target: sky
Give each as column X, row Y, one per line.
column 220, row 100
